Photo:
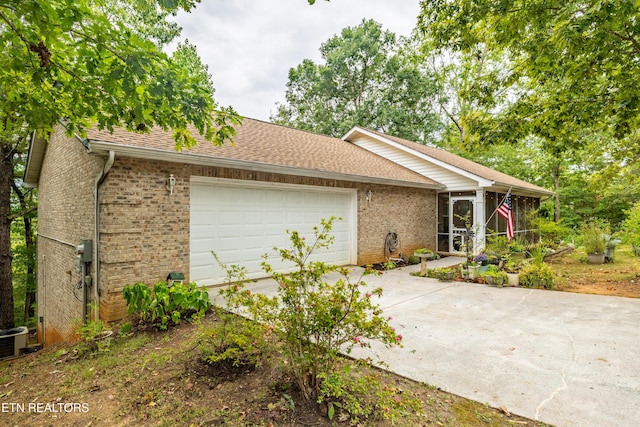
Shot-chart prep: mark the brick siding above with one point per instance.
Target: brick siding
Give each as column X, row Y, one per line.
column 144, row 231
column 65, row 217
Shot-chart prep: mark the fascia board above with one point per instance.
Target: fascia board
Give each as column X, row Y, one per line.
column 35, row 156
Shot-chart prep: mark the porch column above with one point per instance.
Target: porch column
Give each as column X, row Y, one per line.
column 479, row 221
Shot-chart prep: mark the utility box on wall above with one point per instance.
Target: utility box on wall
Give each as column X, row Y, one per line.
column 85, row 250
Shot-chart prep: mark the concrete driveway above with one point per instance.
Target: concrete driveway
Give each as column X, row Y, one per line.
column 561, row 358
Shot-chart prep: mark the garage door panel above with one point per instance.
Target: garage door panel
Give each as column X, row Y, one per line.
column 241, row 222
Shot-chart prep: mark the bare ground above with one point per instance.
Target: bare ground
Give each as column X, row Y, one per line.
column 158, row 379
column 619, row 278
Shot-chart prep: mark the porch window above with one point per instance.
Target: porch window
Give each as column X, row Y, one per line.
column 443, row 222
column 521, row 205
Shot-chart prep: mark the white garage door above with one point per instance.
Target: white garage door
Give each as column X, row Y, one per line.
column 242, row 220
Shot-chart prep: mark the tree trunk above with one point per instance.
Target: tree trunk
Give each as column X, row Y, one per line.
column 30, row 292
column 26, row 208
column 6, row 282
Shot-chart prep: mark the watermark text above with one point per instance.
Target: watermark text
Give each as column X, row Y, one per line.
column 41, row 408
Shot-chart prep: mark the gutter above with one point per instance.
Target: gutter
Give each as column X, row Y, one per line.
column 96, row 283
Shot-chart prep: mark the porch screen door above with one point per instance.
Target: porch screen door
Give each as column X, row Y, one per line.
column 461, row 209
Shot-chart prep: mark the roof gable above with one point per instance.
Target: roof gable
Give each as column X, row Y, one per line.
column 454, row 164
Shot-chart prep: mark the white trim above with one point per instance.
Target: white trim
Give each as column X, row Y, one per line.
column 267, row 184
column 482, row 182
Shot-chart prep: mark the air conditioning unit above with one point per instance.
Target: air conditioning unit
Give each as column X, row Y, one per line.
column 12, row 341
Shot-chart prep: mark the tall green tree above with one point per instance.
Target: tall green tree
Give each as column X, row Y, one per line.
column 468, row 84
column 365, row 80
column 579, row 60
column 86, row 62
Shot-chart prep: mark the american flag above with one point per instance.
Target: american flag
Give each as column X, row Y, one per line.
column 505, row 210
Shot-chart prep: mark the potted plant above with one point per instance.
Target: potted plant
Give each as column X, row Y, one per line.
column 516, row 250
column 610, row 247
column 481, row 259
column 445, row 273
column 501, row 278
column 472, row 267
column 491, row 275
column 594, row 241
column 512, row 270
column 493, row 258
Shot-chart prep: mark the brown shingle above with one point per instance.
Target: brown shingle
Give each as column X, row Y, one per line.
column 270, row 144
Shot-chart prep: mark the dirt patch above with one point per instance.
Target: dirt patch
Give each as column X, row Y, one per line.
column 618, row 278
column 384, row 266
column 158, row 379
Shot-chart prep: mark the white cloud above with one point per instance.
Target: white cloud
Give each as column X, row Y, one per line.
column 250, row 45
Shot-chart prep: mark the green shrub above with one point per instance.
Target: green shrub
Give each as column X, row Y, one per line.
column 497, row 244
column 631, row 227
column 445, row 273
column 516, row 246
column 313, row 318
column 413, row 260
column 165, row 304
column 233, row 341
column 361, row 398
column 94, row 338
column 551, row 233
column 390, row 265
column 537, row 275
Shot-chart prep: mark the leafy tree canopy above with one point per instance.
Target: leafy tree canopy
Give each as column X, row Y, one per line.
column 365, row 80
column 577, row 60
column 99, row 61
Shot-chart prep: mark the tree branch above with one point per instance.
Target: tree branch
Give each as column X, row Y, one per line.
column 27, row 44
column 628, row 37
column 97, row 43
column 23, row 213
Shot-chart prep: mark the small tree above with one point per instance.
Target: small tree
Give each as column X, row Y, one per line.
column 314, row 318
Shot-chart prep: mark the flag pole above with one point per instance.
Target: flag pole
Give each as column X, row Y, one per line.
column 497, row 207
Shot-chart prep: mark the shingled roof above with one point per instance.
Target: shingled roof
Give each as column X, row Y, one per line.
column 264, row 146
column 457, row 162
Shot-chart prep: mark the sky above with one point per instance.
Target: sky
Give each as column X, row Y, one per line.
column 250, row 45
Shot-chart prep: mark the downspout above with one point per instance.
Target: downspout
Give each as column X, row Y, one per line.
column 96, row 260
